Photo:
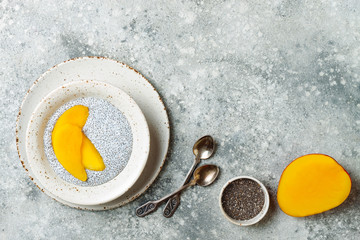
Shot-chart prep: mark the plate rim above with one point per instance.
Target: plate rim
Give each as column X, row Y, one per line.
column 94, row 207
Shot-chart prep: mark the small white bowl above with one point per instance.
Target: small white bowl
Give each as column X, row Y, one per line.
column 258, row 217
column 69, row 192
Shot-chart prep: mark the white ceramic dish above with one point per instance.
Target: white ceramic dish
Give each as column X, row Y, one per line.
column 258, row 217
column 40, row 166
column 118, row 75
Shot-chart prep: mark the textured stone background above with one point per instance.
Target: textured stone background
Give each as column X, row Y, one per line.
column 270, row 80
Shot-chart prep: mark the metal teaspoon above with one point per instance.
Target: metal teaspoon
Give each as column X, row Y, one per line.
column 202, row 149
column 203, row 176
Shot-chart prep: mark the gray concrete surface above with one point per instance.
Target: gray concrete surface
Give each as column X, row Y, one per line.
column 270, row 80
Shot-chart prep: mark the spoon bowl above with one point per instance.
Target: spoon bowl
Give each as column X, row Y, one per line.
column 206, row 175
column 204, row 147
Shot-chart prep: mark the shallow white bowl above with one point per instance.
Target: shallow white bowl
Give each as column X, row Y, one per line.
column 40, row 166
column 258, row 217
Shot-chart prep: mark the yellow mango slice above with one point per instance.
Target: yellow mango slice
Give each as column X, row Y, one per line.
column 76, row 115
column 67, row 141
column 312, row 184
column 74, row 150
column 91, row 158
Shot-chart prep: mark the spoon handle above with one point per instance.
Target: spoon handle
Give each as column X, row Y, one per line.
column 171, row 206
column 174, row 202
column 147, row 208
column 151, row 206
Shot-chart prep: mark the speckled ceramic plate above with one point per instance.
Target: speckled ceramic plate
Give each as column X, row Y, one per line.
column 118, row 75
column 40, row 165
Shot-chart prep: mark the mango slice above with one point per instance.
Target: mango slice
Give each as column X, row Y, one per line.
column 72, row 148
column 76, row 115
column 312, row 184
column 91, row 158
column 67, row 141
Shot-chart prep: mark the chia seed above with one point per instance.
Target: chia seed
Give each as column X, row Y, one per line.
column 109, row 131
column 243, row 199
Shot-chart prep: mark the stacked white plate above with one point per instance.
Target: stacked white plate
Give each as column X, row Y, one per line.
column 124, row 88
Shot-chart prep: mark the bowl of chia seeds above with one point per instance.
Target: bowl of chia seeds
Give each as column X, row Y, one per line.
column 244, row 200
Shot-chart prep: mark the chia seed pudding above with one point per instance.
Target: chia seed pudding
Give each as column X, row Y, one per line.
column 109, row 131
column 243, row 199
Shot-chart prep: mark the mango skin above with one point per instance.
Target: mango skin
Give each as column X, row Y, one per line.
column 67, row 141
column 312, row 184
